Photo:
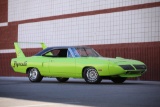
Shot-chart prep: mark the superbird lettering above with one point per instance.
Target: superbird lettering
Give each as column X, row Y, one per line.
column 16, row 64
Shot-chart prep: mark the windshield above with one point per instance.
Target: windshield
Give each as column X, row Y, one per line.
column 86, row 52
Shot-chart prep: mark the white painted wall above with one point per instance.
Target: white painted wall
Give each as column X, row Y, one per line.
column 30, row 9
column 141, row 25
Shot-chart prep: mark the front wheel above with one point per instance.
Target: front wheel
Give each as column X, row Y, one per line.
column 34, row 75
column 118, row 80
column 91, row 76
column 62, row 79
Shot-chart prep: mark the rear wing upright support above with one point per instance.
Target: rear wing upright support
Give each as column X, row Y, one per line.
column 19, row 51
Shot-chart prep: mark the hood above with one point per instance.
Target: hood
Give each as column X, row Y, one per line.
column 121, row 61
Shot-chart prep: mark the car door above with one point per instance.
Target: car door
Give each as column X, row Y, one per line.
column 62, row 64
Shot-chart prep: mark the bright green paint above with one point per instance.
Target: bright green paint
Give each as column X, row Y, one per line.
column 71, row 67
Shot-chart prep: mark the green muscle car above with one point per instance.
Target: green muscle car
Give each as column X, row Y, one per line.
column 75, row 62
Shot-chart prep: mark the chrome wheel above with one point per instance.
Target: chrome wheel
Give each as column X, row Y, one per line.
column 91, row 76
column 34, row 75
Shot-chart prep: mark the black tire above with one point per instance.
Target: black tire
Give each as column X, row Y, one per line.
column 91, row 76
column 118, row 80
column 34, row 75
column 60, row 79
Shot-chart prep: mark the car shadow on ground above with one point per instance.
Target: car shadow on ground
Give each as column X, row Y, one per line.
column 77, row 82
column 70, row 81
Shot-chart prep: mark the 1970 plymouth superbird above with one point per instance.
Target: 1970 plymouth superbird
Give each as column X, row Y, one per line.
column 75, row 62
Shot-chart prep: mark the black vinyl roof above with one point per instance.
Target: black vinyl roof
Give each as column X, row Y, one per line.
column 60, row 47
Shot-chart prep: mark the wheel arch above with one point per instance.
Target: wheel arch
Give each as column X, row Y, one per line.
column 27, row 70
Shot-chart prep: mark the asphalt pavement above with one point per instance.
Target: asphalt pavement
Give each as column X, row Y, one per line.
column 20, row 92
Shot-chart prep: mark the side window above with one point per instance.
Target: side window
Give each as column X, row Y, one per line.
column 81, row 51
column 69, row 55
column 57, row 53
column 76, row 54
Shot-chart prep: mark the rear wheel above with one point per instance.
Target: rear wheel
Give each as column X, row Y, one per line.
column 34, row 75
column 91, row 76
column 118, row 80
column 60, row 79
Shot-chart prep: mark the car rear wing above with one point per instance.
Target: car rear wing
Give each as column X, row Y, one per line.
column 19, row 51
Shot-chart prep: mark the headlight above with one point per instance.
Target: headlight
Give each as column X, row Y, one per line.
column 140, row 66
column 127, row 67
